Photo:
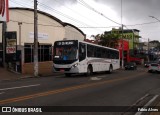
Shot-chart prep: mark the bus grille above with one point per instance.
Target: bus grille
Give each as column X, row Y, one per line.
column 60, row 69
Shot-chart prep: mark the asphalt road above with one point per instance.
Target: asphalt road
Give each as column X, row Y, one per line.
column 121, row 88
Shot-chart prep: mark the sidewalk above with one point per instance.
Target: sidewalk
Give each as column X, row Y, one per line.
column 9, row 75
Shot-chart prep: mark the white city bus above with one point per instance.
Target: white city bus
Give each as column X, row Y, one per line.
column 74, row 56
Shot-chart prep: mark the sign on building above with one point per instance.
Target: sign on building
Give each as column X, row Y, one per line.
column 4, row 13
column 41, row 36
column 11, row 46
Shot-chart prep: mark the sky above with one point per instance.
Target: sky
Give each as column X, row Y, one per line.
column 96, row 16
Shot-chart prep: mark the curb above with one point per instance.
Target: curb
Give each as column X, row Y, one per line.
column 30, row 76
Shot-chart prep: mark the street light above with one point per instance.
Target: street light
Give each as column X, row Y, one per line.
column 157, row 20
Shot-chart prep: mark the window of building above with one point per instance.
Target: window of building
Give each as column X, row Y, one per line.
column 44, row 53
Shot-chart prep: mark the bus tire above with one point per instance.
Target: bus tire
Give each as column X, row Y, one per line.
column 89, row 70
column 67, row 74
column 110, row 69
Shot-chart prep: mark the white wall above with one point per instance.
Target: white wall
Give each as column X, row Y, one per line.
column 27, row 28
column 49, row 29
column 73, row 33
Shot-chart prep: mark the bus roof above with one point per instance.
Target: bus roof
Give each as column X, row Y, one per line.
column 90, row 44
column 98, row 45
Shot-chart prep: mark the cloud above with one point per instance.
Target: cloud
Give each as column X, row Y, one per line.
column 134, row 9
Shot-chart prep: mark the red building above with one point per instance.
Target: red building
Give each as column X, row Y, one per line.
column 127, row 57
column 125, row 49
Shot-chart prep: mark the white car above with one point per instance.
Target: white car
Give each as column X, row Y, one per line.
column 154, row 67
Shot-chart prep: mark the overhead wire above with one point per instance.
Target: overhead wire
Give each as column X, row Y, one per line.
column 91, row 8
column 66, row 16
column 95, row 22
column 88, row 26
column 77, row 13
column 62, row 14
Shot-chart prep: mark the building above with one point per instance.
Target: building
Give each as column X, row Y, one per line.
column 125, row 49
column 50, row 29
column 130, row 35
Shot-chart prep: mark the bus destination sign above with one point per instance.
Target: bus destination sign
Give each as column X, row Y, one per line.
column 65, row 43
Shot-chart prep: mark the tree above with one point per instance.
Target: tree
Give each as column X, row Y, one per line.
column 108, row 39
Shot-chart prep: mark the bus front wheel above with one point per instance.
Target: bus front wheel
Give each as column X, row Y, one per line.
column 89, row 70
column 110, row 69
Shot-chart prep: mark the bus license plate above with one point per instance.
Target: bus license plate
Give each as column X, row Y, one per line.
column 62, row 70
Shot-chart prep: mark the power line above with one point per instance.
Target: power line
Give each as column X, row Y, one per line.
column 64, row 15
column 33, row 23
column 75, row 20
column 79, row 26
column 77, row 12
column 91, row 8
column 98, row 27
column 144, row 23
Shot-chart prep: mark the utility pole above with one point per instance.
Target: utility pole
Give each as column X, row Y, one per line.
column 4, row 29
column 122, row 49
column 35, row 40
column 122, row 35
column 148, row 50
column 20, row 23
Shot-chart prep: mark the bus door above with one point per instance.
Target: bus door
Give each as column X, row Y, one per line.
column 82, row 57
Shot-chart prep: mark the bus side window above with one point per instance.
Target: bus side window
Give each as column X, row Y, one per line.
column 82, row 51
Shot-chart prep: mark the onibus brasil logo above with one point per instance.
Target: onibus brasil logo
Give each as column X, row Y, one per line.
column 2, row 7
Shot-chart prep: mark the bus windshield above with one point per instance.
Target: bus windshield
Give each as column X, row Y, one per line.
column 66, row 53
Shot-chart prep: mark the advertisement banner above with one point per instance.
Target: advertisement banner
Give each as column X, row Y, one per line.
column 4, row 11
column 11, row 46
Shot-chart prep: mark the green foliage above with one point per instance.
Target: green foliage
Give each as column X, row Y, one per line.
column 108, row 39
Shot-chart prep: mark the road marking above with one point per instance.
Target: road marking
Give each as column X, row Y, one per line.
column 1, row 93
column 52, row 92
column 142, row 98
column 153, row 99
column 95, row 78
column 19, row 87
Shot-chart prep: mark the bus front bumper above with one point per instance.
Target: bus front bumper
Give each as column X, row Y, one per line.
column 66, row 70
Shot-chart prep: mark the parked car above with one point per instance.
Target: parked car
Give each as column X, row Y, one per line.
column 130, row 66
column 146, row 64
column 154, row 67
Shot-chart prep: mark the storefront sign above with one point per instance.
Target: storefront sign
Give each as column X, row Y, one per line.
column 11, row 46
column 41, row 36
column 10, row 50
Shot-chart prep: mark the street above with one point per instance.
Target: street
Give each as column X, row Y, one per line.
column 121, row 88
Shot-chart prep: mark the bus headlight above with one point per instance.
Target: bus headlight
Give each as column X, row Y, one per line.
column 75, row 65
